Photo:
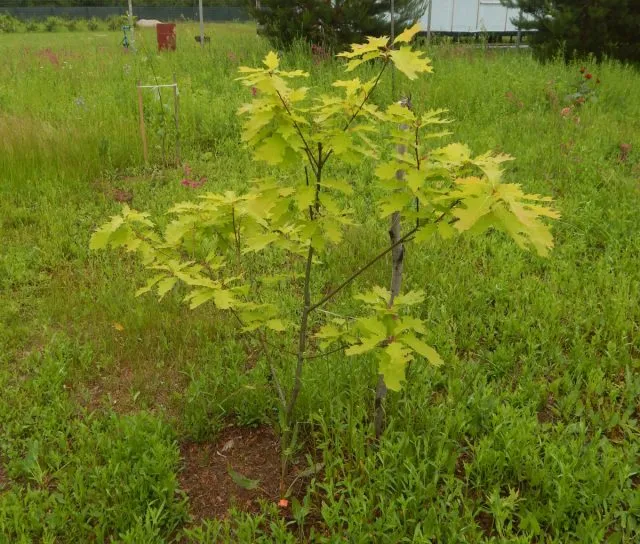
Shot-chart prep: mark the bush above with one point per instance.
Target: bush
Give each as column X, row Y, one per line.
column 576, row 28
column 32, row 26
column 51, row 24
column 116, row 22
column 330, row 24
column 8, row 23
column 93, row 24
column 72, row 25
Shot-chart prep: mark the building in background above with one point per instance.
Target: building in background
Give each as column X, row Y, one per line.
column 469, row 17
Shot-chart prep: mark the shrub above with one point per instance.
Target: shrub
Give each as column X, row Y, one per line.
column 579, row 28
column 8, row 23
column 72, row 25
column 330, row 24
column 32, row 26
column 116, row 22
column 93, row 24
column 51, row 24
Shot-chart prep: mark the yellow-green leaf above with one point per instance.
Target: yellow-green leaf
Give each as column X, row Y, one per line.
column 272, row 150
column 421, row 348
column 276, row 325
column 338, row 185
column 392, row 365
column 410, row 63
column 223, row 299
column 271, row 60
column 100, row 238
column 408, row 34
column 165, row 285
column 409, row 299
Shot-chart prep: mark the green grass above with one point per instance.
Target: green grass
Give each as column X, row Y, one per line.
column 528, row 433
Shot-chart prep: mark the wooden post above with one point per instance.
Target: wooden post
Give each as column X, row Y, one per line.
column 143, row 132
column 201, row 26
column 131, row 25
column 429, row 22
column 176, row 111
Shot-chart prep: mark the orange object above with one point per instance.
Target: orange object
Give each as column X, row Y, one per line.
column 283, row 503
column 166, row 33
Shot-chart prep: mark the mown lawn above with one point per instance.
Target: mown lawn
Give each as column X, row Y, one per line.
column 528, row 433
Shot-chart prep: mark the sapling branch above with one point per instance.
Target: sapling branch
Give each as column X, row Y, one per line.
column 362, row 269
column 312, row 159
column 366, row 97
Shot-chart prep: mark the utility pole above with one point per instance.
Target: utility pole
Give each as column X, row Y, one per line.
column 429, row 21
column 133, row 41
column 201, row 27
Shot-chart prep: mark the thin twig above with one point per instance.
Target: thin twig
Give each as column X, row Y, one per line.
column 364, row 101
column 362, row 269
column 325, row 353
column 406, row 238
column 312, row 159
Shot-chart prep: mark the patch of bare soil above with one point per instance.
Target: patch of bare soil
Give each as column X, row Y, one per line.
column 4, row 480
column 547, row 414
column 253, row 453
column 125, row 390
column 485, row 523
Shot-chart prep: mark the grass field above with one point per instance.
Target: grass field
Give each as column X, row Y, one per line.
column 119, row 415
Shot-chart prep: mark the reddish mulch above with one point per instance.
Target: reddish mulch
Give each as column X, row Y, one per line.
column 254, row 453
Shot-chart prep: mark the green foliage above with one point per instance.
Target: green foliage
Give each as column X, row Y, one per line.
column 32, row 26
column 331, row 24
column 93, row 24
column 116, row 22
column 86, row 478
column 72, row 25
column 8, row 23
column 539, row 391
column 51, row 24
column 202, row 248
column 578, row 28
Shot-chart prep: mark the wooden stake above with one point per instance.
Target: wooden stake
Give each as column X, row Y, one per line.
column 176, row 111
column 143, row 132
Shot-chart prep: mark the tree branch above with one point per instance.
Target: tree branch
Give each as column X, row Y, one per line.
column 364, row 101
column 406, row 238
column 362, row 269
column 310, row 156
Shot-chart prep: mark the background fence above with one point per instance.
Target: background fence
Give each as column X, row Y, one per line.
column 142, row 12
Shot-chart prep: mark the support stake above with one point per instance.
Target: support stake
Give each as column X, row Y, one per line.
column 176, row 111
column 143, row 132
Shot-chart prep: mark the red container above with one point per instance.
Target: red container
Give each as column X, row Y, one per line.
column 166, row 33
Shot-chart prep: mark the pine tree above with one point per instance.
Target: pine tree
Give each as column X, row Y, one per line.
column 332, row 23
column 582, row 27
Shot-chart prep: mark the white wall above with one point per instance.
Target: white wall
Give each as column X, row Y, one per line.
column 470, row 16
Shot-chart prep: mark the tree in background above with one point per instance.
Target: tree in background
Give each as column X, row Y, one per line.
column 582, row 27
column 118, row 3
column 331, row 23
